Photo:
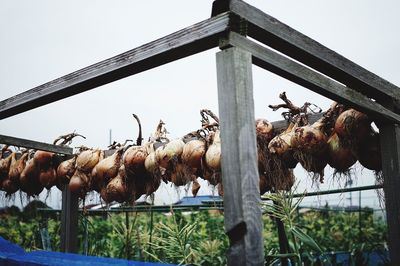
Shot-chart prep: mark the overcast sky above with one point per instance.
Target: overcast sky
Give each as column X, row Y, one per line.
column 43, row 40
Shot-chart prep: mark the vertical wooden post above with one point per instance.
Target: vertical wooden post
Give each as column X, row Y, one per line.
column 390, row 149
column 69, row 221
column 243, row 221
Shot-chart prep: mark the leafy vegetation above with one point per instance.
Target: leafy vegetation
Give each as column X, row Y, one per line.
column 197, row 237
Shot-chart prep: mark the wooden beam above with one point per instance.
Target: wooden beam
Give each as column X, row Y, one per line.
column 242, row 211
column 188, row 41
column 304, row 76
column 390, row 150
column 30, row 144
column 287, row 40
column 69, row 221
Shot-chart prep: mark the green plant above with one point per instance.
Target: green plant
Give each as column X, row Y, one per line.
column 284, row 207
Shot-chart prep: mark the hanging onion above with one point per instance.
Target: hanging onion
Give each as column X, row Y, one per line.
column 340, row 156
column 29, row 179
column 213, row 154
column 264, row 129
column 353, row 125
column 88, row 159
column 106, row 169
column 48, row 178
column 171, row 150
column 79, row 183
column 116, row 189
column 18, row 167
column 281, row 146
column 65, row 171
column 193, row 152
column 44, row 159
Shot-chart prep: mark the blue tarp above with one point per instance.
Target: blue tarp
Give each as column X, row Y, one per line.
column 13, row 255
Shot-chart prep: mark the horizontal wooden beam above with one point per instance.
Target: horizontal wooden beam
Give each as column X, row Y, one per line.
column 188, row 41
column 304, row 76
column 287, row 40
column 30, row 144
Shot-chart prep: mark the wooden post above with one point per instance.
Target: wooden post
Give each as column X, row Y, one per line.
column 69, row 221
column 243, row 223
column 390, row 149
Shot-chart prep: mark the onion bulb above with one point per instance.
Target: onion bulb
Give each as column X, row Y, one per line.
column 353, row 125
column 44, row 159
column 5, row 167
column 116, row 189
column 340, row 156
column 281, row 146
column 48, row 178
column 79, row 183
column 65, row 171
column 105, row 170
column 88, row 159
column 29, row 179
column 172, row 149
column 193, row 152
column 17, row 167
column 134, row 159
column 9, row 186
column 264, row 129
column 213, row 154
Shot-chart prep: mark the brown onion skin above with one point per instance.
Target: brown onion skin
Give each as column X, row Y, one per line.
column 88, row 159
column 105, row 170
column 44, row 159
column 79, row 183
column 193, row 152
column 16, row 170
column 116, row 190
column 213, row 153
column 5, row 167
column 134, row 161
column 340, row 156
column 65, row 171
column 352, row 125
column 264, row 128
column 48, row 178
column 29, row 179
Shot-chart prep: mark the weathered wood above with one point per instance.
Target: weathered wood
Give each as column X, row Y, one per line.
column 242, row 213
column 291, row 70
column 390, row 149
column 287, row 40
column 30, row 144
column 69, row 221
column 188, row 41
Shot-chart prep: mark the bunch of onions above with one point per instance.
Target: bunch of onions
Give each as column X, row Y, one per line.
column 29, row 179
column 85, row 162
column 340, row 156
column 65, row 171
column 105, row 170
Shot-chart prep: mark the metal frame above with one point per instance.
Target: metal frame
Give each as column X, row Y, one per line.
column 232, row 20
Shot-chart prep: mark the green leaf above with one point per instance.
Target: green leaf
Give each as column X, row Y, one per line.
column 306, row 239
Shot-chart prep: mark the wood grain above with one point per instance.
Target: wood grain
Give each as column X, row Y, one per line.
column 242, row 211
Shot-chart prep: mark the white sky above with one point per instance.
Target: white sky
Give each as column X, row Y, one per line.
column 43, row 40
